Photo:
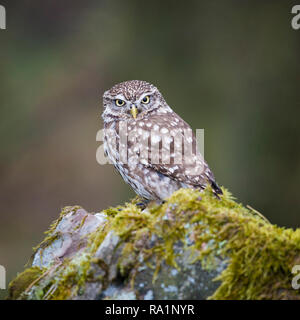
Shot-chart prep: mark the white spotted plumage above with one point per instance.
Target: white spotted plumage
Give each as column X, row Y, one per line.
column 154, row 174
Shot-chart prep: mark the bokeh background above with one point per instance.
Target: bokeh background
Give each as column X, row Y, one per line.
column 230, row 67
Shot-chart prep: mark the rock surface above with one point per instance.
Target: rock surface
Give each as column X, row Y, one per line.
column 192, row 247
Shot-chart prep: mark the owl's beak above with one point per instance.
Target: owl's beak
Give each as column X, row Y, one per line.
column 133, row 111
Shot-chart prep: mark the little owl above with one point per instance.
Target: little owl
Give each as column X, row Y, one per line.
column 153, row 149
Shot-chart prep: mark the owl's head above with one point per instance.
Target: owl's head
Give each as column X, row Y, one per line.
column 130, row 100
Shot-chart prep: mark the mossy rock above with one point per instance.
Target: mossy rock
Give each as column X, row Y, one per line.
column 193, row 246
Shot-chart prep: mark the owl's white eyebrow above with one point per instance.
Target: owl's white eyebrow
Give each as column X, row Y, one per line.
column 119, row 96
column 147, row 94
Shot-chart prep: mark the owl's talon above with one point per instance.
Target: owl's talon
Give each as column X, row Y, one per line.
column 142, row 205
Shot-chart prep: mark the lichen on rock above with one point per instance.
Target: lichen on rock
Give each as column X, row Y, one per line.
column 193, row 246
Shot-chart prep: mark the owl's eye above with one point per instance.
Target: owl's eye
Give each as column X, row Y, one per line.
column 146, row 100
column 119, row 102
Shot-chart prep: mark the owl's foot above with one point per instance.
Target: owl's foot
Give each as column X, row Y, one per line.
column 142, row 204
column 149, row 204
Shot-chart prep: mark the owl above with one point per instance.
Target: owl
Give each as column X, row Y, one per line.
column 152, row 147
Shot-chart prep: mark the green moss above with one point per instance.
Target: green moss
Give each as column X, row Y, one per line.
column 259, row 256
column 72, row 277
column 21, row 284
column 257, row 252
column 67, row 272
column 82, row 222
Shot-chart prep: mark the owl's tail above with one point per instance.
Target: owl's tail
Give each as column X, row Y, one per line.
column 216, row 189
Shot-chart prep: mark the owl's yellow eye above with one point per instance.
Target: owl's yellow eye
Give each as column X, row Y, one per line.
column 146, row 100
column 119, row 102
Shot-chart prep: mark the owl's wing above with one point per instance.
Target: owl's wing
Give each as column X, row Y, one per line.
column 179, row 158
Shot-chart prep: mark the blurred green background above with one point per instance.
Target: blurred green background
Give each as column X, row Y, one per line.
column 231, row 67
